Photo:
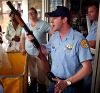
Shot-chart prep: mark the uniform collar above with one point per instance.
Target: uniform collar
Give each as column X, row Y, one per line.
column 70, row 35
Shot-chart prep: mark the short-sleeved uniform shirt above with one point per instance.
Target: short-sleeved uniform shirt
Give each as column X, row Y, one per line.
column 68, row 54
column 92, row 33
column 39, row 32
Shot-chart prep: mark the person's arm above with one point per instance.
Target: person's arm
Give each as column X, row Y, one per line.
column 16, row 38
column 7, row 35
column 22, row 43
column 92, row 43
column 83, row 72
column 44, row 50
column 84, row 56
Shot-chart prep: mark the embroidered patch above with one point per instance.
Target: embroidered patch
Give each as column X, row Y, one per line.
column 84, row 43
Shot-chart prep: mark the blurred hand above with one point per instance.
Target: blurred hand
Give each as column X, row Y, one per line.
column 23, row 51
column 16, row 38
column 30, row 37
column 44, row 50
column 60, row 85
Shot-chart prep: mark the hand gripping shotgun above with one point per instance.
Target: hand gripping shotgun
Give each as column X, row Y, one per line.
column 45, row 64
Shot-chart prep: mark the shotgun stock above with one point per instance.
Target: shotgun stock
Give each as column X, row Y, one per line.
column 42, row 57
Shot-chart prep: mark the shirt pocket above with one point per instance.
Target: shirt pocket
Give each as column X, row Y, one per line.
column 72, row 60
column 70, row 52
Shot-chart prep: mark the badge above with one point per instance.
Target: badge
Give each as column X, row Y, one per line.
column 69, row 46
column 84, row 43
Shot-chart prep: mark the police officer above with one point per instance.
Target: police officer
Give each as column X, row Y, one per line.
column 70, row 53
column 93, row 10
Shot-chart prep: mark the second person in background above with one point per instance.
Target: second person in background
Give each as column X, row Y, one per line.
column 93, row 10
column 39, row 28
column 13, row 33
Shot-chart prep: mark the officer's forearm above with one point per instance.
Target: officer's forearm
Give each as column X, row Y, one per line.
column 92, row 43
column 84, row 71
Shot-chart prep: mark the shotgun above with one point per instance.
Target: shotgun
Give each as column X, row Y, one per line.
column 46, row 66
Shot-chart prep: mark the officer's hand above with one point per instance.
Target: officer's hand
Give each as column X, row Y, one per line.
column 60, row 85
column 44, row 50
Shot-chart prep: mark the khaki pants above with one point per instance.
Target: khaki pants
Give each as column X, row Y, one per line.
column 35, row 70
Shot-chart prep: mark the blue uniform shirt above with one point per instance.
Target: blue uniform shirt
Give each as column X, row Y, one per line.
column 68, row 54
column 92, row 33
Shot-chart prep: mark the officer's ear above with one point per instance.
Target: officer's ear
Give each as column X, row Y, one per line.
column 65, row 19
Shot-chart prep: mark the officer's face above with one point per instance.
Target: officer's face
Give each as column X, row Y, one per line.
column 92, row 13
column 56, row 23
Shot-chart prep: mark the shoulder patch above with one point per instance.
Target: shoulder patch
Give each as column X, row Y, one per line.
column 84, row 43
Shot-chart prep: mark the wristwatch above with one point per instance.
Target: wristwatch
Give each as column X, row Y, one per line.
column 68, row 82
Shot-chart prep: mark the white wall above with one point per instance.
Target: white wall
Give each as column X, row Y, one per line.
column 25, row 10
